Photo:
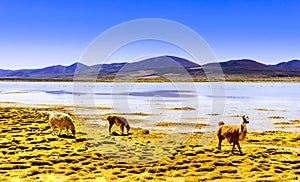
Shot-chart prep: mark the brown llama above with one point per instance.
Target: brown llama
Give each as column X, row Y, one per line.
column 233, row 133
column 118, row 121
column 61, row 120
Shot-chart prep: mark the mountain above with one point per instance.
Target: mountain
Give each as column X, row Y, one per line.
column 154, row 68
column 292, row 65
column 246, row 68
column 241, row 68
column 162, row 67
column 243, row 64
column 161, row 62
column 56, row 71
column 4, row 73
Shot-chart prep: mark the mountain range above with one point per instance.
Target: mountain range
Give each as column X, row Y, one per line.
column 161, row 67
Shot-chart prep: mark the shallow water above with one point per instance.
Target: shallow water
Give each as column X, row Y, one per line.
column 213, row 102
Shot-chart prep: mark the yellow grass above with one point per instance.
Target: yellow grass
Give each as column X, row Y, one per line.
column 29, row 152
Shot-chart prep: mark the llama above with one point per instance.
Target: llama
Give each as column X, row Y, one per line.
column 118, row 121
column 233, row 133
column 61, row 120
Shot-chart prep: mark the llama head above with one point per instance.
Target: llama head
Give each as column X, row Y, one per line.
column 127, row 128
column 221, row 123
column 73, row 131
column 245, row 119
column 72, row 128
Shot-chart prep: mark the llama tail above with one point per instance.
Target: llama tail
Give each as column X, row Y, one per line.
column 221, row 123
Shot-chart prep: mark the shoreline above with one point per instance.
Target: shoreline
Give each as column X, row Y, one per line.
column 196, row 80
column 29, row 152
column 188, row 125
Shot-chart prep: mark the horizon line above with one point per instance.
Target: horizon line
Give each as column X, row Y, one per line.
column 219, row 61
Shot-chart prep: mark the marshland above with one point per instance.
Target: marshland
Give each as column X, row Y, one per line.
column 172, row 136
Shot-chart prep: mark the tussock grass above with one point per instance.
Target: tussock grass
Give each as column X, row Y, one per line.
column 29, row 152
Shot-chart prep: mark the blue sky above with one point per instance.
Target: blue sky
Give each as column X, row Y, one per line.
column 38, row 33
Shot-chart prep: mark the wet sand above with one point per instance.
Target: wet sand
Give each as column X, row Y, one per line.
column 29, row 152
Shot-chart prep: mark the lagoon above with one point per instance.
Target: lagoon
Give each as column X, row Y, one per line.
column 147, row 104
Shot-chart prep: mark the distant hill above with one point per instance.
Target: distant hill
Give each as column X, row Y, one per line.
column 57, row 71
column 158, row 68
column 4, row 73
column 161, row 62
column 246, row 68
column 292, row 65
column 245, row 64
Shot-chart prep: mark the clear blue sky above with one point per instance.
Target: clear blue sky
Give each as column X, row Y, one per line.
column 38, row 33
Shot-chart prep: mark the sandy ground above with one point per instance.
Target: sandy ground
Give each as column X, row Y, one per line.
column 29, row 152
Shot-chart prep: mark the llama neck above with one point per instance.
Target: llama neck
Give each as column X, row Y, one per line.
column 243, row 127
column 243, row 131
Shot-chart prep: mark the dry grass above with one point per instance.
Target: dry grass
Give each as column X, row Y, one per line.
column 182, row 125
column 275, row 117
column 287, row 124
column 28, row 152
column 264, row 109
column 180, row 108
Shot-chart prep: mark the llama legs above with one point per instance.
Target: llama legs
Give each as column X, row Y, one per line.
column 220, row 143
column 239, row 147
column 122, row 129
column 233, row 147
